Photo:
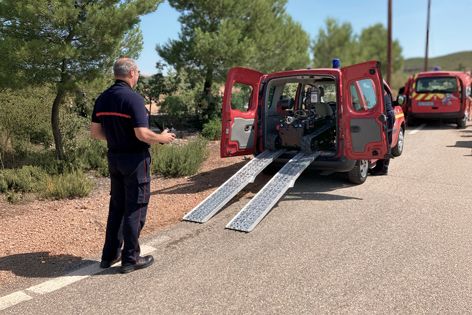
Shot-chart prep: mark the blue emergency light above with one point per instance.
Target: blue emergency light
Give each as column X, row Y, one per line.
column 336, row 63
column 437, row 68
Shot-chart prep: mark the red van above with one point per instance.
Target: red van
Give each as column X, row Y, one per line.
column 337, row 113
column 444, row 95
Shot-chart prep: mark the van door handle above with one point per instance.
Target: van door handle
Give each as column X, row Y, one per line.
column 355, row 129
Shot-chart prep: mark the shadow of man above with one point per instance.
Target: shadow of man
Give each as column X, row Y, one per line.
column 40, row 264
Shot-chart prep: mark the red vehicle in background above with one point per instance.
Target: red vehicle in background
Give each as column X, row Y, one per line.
column 444, row 95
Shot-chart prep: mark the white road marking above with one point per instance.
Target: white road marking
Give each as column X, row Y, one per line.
column 417, row 129
column 13, row 299
column 59, row 282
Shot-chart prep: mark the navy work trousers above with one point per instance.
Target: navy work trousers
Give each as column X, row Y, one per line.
column 130, row 192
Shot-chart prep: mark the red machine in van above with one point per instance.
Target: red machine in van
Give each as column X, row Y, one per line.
column 444, row 95
column 328, row 119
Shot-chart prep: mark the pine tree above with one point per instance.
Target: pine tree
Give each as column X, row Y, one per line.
column 219, row 34
column 66, row 42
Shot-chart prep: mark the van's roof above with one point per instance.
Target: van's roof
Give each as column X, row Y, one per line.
column 462, row 75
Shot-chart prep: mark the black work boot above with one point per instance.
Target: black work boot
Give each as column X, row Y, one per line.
column 141, row 263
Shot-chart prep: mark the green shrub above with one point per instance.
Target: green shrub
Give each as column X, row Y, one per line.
column 14, row 197
column 174, row 106
column 212, row 129
column 26, row 179
column 70, row 185
column 179, row 160
column 3, row 183
column 92, row 155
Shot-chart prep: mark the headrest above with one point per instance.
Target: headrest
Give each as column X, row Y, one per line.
column 286, row 103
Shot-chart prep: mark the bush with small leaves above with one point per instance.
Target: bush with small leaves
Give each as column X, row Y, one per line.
column 70, row 185
column 212, row 129
column 179, row 160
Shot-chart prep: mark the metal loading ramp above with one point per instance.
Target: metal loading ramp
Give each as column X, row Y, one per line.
column 247, row 219
column 214, row 202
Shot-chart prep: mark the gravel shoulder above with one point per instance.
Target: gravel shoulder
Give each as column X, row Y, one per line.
column 41, row 239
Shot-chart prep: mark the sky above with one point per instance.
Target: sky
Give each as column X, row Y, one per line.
column 449, row 32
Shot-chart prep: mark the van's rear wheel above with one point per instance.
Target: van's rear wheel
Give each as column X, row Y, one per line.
column 462, row 123
column 358, row 174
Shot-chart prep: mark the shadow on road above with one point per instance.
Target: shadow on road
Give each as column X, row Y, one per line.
column 432, row 125
column 320, row 186
column 40, row 264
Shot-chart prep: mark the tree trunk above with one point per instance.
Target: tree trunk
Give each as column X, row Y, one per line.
column 56, row 131
column 210, row 106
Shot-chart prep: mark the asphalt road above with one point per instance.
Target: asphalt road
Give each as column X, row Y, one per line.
column 400, row 243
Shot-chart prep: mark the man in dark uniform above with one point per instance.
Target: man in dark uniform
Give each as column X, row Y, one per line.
column 120, row 118
column 381, row 167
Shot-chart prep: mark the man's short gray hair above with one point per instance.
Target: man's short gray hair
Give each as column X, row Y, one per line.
column 123, row 66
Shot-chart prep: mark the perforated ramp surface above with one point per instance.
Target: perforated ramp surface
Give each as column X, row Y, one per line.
column 247, row 219
column 214, row 202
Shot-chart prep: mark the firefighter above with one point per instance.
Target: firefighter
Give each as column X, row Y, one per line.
column 381, row 167
column 120, row 117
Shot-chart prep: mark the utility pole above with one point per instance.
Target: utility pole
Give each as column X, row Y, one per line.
column 389, row 43
column 427, row 38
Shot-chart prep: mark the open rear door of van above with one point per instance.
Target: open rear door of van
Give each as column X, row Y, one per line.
column 364, row 119
column 239, row 112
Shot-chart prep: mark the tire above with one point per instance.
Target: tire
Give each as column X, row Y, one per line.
column 398, row 149
column 462, row 123
column 359, row 173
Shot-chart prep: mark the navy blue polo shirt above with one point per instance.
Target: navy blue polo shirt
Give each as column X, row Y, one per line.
column 119, row 110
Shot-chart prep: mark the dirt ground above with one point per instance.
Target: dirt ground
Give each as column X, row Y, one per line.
column 41, row 238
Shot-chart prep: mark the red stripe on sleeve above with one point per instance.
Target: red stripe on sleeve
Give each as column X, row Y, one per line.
column 113, row 114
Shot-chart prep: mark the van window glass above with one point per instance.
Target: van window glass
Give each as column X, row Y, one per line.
column 368, row 92
column 289, row 93
column 363, row 95
column 241, row 97
column 356, row 102
column 270, row 97
column 436, row 85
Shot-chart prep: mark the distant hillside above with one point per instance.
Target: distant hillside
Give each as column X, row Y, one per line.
column 460, row 61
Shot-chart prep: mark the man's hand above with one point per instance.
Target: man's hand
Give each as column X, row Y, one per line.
column 147, row 135
column 167, row 136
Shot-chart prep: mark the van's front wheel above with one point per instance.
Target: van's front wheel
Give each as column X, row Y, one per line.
column 398, row 149
column 358, row 174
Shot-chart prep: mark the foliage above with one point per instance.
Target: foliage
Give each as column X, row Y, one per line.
column 26, row 179
column 151, row 88
column 212, row 129
column 66, row 42
column 338, row 41
column 24, row 118
column 68, row 185
column 174, row 106
column 373, row 46
column 217, row 35
column 32, row 179
column 173, row 160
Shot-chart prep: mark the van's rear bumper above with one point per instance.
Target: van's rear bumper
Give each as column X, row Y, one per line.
column 451, row 116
